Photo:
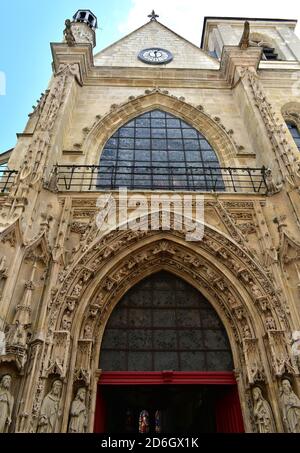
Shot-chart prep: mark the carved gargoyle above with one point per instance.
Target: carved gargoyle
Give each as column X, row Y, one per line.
column 244, row 42
column 68, row 34
column 272, row 186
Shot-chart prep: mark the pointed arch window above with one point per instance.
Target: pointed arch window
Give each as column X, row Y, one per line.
column 157, row 150
column 165, row 324
column 294, row 132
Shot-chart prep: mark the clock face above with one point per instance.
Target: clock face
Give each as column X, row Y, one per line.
column 155, row 55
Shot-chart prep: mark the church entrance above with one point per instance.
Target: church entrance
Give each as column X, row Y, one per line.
column 170, row 407
column 166, row 364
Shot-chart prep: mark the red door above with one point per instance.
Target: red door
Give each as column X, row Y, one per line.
column 229, row 417
column 227, row 410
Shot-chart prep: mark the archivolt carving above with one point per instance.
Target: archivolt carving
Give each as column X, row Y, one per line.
column 221, row 140
column 217, row 266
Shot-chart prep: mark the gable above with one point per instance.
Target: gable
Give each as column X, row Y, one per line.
column 124, row 53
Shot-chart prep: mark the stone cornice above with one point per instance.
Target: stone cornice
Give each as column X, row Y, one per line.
column 232, row 57
column 139, row 77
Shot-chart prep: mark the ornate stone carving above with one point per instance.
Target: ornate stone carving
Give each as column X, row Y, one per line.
column 280, row 354
column 255, row 371
column 3, row 268
column 262, row 413
column 68, row 34
column 290, row 405
column 275, row 129
column 78, row 412
column 6, row 403
column 270, row 322
column 58, row 363
column 83, row 361
column 272, row 186
column 50, row 413
column 52, row 183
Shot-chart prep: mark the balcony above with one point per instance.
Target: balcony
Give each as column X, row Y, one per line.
column 6, row 179
column 200, row 178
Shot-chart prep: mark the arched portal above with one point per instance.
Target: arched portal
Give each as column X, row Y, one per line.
column 105, row 268
column 165, row 351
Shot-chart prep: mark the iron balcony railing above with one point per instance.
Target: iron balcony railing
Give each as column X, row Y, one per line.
column 6, row 179
column 140, row 176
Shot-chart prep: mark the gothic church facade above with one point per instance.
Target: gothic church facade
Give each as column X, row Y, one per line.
column 111, row 320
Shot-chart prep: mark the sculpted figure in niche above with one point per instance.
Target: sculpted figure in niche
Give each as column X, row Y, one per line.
column 255, row 290
column 50, row 410
column 6, row 403
column 71, row 305
column 66, row 323
column 87, row 333
column 246, row 331
column 290, row 407
column 78, row 413
column 77, row 289
column 94, row 310
column 262, row 412
column 270, row 323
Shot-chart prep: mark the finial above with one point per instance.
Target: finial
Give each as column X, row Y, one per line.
column 153, row 16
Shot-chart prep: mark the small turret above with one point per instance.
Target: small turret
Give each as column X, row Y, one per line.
column 87, row 17
column 83, row 27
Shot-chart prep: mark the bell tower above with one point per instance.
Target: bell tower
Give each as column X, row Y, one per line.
column 276, row 36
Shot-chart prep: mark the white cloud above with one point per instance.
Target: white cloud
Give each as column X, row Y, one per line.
column 185, row 17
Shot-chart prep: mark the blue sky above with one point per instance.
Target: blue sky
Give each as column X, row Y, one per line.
column 28, row 27
column 25, row 55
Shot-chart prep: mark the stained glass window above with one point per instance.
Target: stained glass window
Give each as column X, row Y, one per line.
column 294, row 132
column 156, row 150
column 165, row 324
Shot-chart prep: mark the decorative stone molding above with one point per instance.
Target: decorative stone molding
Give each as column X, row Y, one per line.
column 220, row 139
column 82, row 371
column 282, row 359
column 275, row 129
column 255, row 370
column 60, row 350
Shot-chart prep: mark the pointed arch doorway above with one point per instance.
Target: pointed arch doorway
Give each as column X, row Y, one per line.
column 165, row 351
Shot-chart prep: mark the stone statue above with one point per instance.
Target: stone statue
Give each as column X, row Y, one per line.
column 50, row 410
column 68, row 34
column 6, row 403
column 290, row 407
column 244, row 42
column 262, row 413
column 78, row 413
column 272, row 187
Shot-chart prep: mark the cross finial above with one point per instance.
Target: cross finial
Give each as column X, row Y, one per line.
column 153, row 16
